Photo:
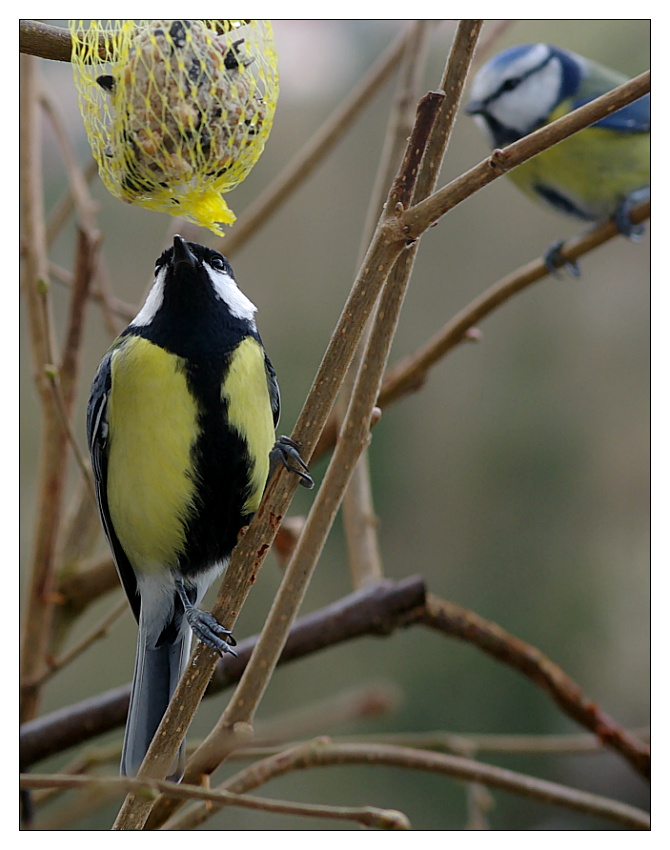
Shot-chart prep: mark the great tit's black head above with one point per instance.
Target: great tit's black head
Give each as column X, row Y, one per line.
column 193, row 282
column 190, row 258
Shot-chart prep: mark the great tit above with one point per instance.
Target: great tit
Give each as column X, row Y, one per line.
column 181, row 430
column 598, row 173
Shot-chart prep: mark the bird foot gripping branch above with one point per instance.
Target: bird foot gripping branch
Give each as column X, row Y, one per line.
column 204, row 626
column 287, row 452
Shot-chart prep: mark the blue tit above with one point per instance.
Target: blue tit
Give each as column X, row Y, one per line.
column 596, row 174
column 181, row 430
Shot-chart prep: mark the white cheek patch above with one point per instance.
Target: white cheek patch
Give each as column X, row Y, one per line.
column 153, row 303
column 532, row 101
column 227, row 290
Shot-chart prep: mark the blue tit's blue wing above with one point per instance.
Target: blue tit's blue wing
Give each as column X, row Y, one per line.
column 596, row 80
column 634, row 118
column 97, row 430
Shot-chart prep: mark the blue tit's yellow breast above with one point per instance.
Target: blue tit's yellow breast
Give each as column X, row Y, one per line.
column 152, row 428
column 245, row 389
column 594, row 169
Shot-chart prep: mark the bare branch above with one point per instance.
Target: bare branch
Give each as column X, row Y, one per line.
column 368, row 816
column 358, row 514
column 97, row 633
column 45, row 41
column 38, row 616
column 410, row 374
column 460, row 622
column 379, row 610
column 321, row 753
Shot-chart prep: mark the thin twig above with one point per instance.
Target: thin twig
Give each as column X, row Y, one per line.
column 368, row 816
column 421, row 216
column 375, row 699
column 78, row 590
column 64, row 207
column 488, row 41
column 322, row 753
column 458, row 743
column 409, row 375
column 358, row 514
column 424, row 175
column 64, row 379
column 81, row 202
column 52, row 452
column 53, row 376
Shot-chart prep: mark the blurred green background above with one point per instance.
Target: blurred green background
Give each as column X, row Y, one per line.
column 516, row 482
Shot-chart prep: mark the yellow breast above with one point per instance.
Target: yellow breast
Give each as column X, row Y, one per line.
column 249, row 414
column 152, row 427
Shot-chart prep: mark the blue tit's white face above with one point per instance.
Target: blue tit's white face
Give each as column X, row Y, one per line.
column 516, row 91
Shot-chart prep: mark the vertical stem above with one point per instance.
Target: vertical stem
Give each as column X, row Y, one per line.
column 53, row 444
column 358, row 513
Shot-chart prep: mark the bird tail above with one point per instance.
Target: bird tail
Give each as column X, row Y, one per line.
column 157, row 671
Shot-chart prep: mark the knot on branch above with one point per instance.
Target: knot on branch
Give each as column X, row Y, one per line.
column 499, row 160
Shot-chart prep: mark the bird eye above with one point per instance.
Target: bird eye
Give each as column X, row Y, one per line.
column 217, row 262
column 511, row 84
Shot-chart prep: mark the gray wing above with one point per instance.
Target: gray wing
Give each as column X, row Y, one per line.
column 97, row 430
column 273, row 389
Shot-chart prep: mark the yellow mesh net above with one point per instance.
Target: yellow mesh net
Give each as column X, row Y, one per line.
column 177, row 112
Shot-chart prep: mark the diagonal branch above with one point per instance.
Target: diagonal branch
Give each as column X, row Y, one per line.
column 421, row 216
column 358, row 513
column 409, row 374
column 377, row 610
column 459, row 622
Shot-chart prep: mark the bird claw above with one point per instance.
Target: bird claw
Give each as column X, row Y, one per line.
column 622, row 215
column 287, row 452
column 554, row 261
column 206, row 628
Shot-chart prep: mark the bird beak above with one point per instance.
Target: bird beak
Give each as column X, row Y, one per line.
column 475, row 107
column 182, row 254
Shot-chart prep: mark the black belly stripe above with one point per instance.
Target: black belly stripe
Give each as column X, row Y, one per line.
column 221, row 463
